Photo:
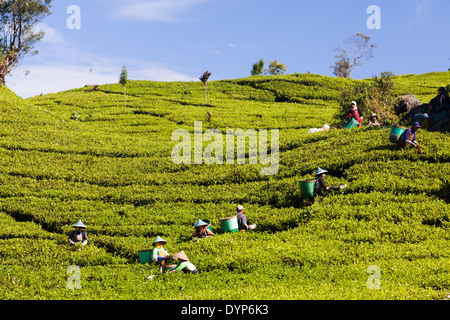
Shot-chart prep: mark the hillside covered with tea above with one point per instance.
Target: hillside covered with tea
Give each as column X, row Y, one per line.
column 83, row 155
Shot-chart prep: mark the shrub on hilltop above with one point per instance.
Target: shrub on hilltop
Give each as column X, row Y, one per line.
column 374, row 96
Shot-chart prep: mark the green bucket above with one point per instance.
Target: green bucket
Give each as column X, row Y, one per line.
column 208, row 222
column 307, row 188
column 351, row 124
column 229, row 224
column 396, row 132
column 144, row 256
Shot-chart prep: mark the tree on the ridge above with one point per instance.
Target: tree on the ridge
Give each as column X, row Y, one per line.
column 204, row 78
column 358, row 50
column 18, row 19
column 276, row 68
column 123, row 81
column 258, row 68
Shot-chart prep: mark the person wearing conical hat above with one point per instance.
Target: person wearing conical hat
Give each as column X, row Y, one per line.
column 158, row 253
column 320, row 186
column 78, row 236
column 183, row 264
column 201, row 230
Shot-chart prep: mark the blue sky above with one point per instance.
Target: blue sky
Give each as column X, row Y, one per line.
column 177, row 40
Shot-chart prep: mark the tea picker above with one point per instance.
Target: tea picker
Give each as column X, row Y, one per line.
column 408, row 138
column 373, row 121
column 183, row 264
column 355, row 113
column 242, row 220
column 78, row 236
column 201, row 230
column 320, row 186
column 159, row 255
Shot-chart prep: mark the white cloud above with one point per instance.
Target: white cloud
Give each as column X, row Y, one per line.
column 423, row 12
column 60, row 66
column 52, row 36
column 156, row 10
column 244, row 46
column 57, row 76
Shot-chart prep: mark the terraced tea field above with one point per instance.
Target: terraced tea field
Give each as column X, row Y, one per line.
column 81, row 155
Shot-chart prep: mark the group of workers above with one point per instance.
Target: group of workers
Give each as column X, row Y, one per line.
column 180, row 262
column 408, row 138
column 172, row 264
column 161, row 256
column 201, row 231
column 441, row 102
column 78, row 239
column 357, row 114
column 438, row 105
column 439, row 108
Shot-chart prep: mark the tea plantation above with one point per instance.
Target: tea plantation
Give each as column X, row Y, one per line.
column 82, row 154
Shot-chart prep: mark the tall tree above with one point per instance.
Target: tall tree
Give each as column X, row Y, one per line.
column 123, row 81
column 258, row 68
column 204, row 78
column 18, row 19
column 358, row 49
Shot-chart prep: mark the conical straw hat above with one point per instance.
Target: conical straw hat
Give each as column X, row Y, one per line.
column 79, row 224
column 159, row 239
column 200, row 223
column 320, row 171
column 181, row 256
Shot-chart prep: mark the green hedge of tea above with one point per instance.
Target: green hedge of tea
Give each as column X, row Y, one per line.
column 81, row 155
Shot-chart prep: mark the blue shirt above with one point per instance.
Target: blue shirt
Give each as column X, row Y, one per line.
column 408, row 133
column 242, row 220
